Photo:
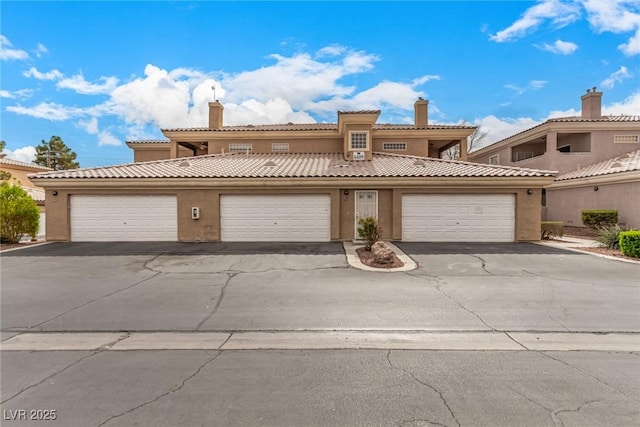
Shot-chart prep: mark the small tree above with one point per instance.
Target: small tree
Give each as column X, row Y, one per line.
column 474, row 140
column 19, row 214
column 369, row 230
column 56, row 155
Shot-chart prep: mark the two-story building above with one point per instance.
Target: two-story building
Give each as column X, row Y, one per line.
column 297, row 182
column 597, row 157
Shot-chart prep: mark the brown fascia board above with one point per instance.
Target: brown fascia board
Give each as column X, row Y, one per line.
column 454, row 133
column 168, row 184
column 200, row 136
column 611, row 178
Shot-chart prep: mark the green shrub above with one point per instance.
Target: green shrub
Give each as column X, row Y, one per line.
column 599, row 218
column 369, row 230
column 19, row 214
column 630, row 243
column 550, row 229
column 609, row 236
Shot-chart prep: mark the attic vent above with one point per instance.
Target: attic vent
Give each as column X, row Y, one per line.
column 418, row 163
column 184, row 164
column 270, row 164
column 616, row 165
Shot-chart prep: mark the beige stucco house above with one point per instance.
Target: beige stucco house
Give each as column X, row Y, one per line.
column 19, row 172
column 297, row 182
column 596, row 157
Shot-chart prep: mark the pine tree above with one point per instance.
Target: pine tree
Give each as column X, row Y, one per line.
column 56, row 155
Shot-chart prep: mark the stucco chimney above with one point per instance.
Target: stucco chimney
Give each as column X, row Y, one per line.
column 215, row 115
column 592, row 104
column 421, row 108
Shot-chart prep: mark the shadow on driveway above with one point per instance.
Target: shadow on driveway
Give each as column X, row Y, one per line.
column 178, row 248
column 434, row 248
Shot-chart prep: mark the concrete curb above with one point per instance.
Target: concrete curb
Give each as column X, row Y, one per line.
column 574, row 244
column 25, row 247
column 354, row 260
column 324, row 340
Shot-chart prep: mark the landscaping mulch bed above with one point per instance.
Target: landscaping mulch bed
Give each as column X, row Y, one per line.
column 607, row 251
column 366, row 257
column 583, row 232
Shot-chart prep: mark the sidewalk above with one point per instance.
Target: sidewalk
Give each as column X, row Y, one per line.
column 575, row 243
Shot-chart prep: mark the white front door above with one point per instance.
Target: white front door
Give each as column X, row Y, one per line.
column 366, row 206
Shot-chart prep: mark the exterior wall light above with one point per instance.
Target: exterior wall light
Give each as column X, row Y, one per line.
column 529, row 191
column 54, row 192
column 595, row 188
column 345, row 192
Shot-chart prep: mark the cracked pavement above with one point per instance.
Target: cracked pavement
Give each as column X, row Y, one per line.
column 517, row 291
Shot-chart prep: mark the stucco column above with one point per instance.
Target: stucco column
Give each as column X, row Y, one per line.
column 552, row 142
column 463, row 149
column 173, row 149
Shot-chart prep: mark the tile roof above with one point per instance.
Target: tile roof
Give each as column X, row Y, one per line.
column 36, row 194
column 11, row 162
column 291, row 165
column 308, row 126
column 149, row 141
column 623, row 118
column 624, row 163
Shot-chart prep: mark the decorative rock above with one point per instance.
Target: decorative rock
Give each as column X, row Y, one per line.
column 382, row 254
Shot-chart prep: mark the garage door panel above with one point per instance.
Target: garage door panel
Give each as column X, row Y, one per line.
column 458, row 218
column 124, row 218
column 276, row 217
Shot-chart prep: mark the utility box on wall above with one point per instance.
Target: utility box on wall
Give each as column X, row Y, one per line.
column 195, row 213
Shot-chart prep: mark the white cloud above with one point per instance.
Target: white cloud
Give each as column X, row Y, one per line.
column 616, row 77
column 80, row 85
column 25, row 154
column 49, row 75
column 105, row 138
column 16, row 94
column 7, row 53
column 560, row 14
column 559, row 47
column 628, row 106
column 48, row 110
column 616, row 16
column 89, row 126
column 40, row 50
column 532, row 85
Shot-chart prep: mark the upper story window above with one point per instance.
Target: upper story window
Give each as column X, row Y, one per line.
column 494, row 160
column 240, row 147
column 626, row 139
column 280, row 146
column 394, row 146
column 358, row 140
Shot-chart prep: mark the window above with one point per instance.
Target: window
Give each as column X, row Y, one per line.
column 626, row 139
column 240, row 147
column 523, row 155
column 358, row 140
column 280, row 146
column 564, row 149
column 494, row 160
column 394, row 146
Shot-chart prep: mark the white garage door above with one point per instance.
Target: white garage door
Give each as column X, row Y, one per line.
column 124, row 218
column 458, row 217
column 275, row 218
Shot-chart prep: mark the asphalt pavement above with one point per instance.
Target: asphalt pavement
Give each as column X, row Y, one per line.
column 291, row 334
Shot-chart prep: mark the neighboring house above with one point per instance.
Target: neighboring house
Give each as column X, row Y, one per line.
column 586, row 150
column 19, row 175
column 297, row 182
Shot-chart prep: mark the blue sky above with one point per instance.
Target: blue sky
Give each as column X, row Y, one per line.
column 100, row 73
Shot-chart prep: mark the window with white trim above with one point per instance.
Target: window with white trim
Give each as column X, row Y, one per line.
column 394, row 146
column 494, row 160
column 280, row 146
column 626, row 139
column 240, row 147
column 358, row 140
